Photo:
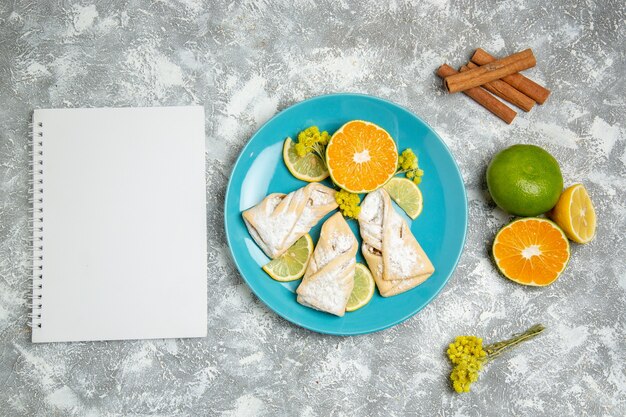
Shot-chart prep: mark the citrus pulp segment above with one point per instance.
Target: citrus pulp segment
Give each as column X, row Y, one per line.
column 531, row 251
column 406, row 194
column 363, row 290
column 575, row 214
column 361, row 157
column 309, row 168
column 291, row 264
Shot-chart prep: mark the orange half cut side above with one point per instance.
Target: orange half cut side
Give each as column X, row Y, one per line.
column 531, row 251
column 361, row 157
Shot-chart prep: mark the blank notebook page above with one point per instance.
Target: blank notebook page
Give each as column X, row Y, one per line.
column 120, row 224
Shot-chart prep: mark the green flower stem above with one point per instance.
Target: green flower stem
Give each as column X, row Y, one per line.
column 495, row 349
column 320, row 150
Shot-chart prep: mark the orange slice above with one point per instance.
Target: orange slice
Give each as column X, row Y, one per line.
column 575, row 214
column 361, row 157
column 531, row 251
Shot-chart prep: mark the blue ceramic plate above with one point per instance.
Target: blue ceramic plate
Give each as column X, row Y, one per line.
column 440, row 228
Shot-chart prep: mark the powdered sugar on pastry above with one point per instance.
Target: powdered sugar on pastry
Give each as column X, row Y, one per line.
column 338, row 244
column 318, row 197
column 402, row 258
column 326, row 292
column 371, row 220
column 280, row 220
column 270, row 231
column 392, row 253
column 329, row 278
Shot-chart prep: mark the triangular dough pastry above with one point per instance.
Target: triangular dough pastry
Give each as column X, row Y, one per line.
column 395, row 258
column 280, row 219
column 329, row 277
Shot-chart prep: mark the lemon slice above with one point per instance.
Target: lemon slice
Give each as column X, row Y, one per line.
column 309, row 168
column 291, row 265
column 406, row 194
column 575, row 214
column 363, row 290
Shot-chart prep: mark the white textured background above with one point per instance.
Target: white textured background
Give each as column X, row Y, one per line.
column 246, row 60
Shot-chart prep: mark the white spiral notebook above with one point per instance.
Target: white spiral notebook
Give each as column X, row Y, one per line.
column 119, row 224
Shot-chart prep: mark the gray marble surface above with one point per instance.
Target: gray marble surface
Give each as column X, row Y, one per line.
column 245, row 61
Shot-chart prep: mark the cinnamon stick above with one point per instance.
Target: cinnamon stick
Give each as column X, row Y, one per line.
column 517, row 81
column 506, row 92
column 482, row 97
column 490, row 72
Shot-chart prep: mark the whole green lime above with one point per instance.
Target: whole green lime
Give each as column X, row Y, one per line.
column 524, row 180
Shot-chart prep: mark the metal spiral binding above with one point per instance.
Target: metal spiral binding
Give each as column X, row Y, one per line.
column 36, row 193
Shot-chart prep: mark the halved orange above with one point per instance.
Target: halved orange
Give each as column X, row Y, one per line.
column 361, row 157
column 531, row 251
